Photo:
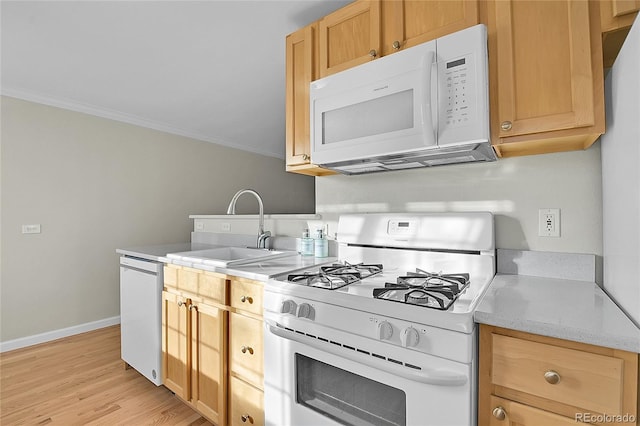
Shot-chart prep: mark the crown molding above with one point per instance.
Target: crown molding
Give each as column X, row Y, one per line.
column 73, row 105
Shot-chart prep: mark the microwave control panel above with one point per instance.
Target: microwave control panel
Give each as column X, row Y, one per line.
column 459, row 98
column 463, row 87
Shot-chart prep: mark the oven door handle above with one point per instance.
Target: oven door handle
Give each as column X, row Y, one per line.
column 431, row 377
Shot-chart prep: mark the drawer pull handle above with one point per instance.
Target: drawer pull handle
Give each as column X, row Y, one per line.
column 246, row 349
column 245, row 418
column 246, row 299
column 552, row 377
column 506, row 125
column 499, row 413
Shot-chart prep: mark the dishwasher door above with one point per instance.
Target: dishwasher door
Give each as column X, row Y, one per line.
column 141, row 316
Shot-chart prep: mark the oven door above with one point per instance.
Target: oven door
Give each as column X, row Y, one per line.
column 312, row 382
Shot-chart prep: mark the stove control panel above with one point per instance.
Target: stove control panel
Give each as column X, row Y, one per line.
column 401, row 228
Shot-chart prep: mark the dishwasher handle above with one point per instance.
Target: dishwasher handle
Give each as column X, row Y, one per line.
column 140, row 264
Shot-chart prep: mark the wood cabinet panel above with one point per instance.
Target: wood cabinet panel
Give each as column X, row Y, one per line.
column 176, row 344
column 246, row 404
column 593, row 380
column 246, row 349
column 616, row 18
column 348, row 35
column 409, row 22
column 213, row 286
column 209, row 361
column 546, row 77
column 299, row 74
column 247, row 295
column 586, row 380
column 522, row 415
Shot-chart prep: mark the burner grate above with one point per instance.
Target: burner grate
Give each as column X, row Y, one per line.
column 431, row 290
column 333, row 277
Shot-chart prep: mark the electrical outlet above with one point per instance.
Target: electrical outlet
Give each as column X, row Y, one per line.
column 226, row 227
column 549, row 222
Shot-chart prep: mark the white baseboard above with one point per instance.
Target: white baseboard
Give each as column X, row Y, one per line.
column 57, row 334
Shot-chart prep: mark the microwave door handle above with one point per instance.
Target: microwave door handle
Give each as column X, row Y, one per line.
column 427, row 101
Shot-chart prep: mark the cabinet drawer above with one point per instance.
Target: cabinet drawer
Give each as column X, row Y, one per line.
column 246, row 356
column 170, row 276
column 247, row 404
column 213, row 286
column 519, row 414
column 188, row 280
column 247, row 295
column 584, row 380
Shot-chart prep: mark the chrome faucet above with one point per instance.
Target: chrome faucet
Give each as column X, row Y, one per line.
column 262, row 235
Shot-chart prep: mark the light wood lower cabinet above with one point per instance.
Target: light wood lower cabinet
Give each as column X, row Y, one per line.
column 246, row 353
column 194, row 354
column 212, row 344
column 526, row 379
column 246, row 404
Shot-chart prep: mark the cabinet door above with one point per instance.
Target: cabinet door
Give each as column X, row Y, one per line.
column 508, row 413
column 349, row 36
column 209, row 366
column 176, row 341
column 410, row 22
column 299, row 74
column 544, row 66
column 246, row 354
column 246, row 406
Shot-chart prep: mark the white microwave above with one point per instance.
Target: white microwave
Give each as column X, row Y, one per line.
column 424, row 106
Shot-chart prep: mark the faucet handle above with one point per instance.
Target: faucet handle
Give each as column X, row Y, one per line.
column 262, row 239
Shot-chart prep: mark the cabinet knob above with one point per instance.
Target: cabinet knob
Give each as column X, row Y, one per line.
column 552, row 377
column 373, row 53
column 396, row 45
column 247, row 299
column 305, row 157
column 180, row 303
column 246, row 418
column 506, row 125
column 499, row 413
column 246, row 349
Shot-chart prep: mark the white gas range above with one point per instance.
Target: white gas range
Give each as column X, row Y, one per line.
column 389, row 342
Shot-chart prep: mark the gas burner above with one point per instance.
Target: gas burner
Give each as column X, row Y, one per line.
column 362, row 269
column 333, row 277
column 431, row 290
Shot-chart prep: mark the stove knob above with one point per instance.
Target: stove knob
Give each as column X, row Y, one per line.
column 385, row 330
column 305, row 311
column 410, row 337
column 288, row 307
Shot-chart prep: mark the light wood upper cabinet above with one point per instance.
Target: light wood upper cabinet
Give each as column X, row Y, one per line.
column 409, row 22
column 349, row 36
column 546, row 80
column 301, row 70
column 616, row 17
column 527, row 379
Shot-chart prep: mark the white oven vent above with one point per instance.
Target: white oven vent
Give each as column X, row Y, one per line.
column 363, row 352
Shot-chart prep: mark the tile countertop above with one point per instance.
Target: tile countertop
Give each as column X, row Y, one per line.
column 568, row 309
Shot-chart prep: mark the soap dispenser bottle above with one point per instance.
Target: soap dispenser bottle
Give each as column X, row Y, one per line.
column 306, row 244
column 321, row 244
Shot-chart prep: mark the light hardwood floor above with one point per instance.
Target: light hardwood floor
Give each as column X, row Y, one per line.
column 81, row 380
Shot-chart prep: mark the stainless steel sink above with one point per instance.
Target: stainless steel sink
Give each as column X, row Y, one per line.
column 230, row 256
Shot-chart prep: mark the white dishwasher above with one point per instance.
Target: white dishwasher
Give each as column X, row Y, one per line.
column 141, row 316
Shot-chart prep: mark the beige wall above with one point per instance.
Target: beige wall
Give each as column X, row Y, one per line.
column 513, row 189
column 95, row 185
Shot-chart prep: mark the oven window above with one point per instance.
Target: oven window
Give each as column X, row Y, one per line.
column 346, row 397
